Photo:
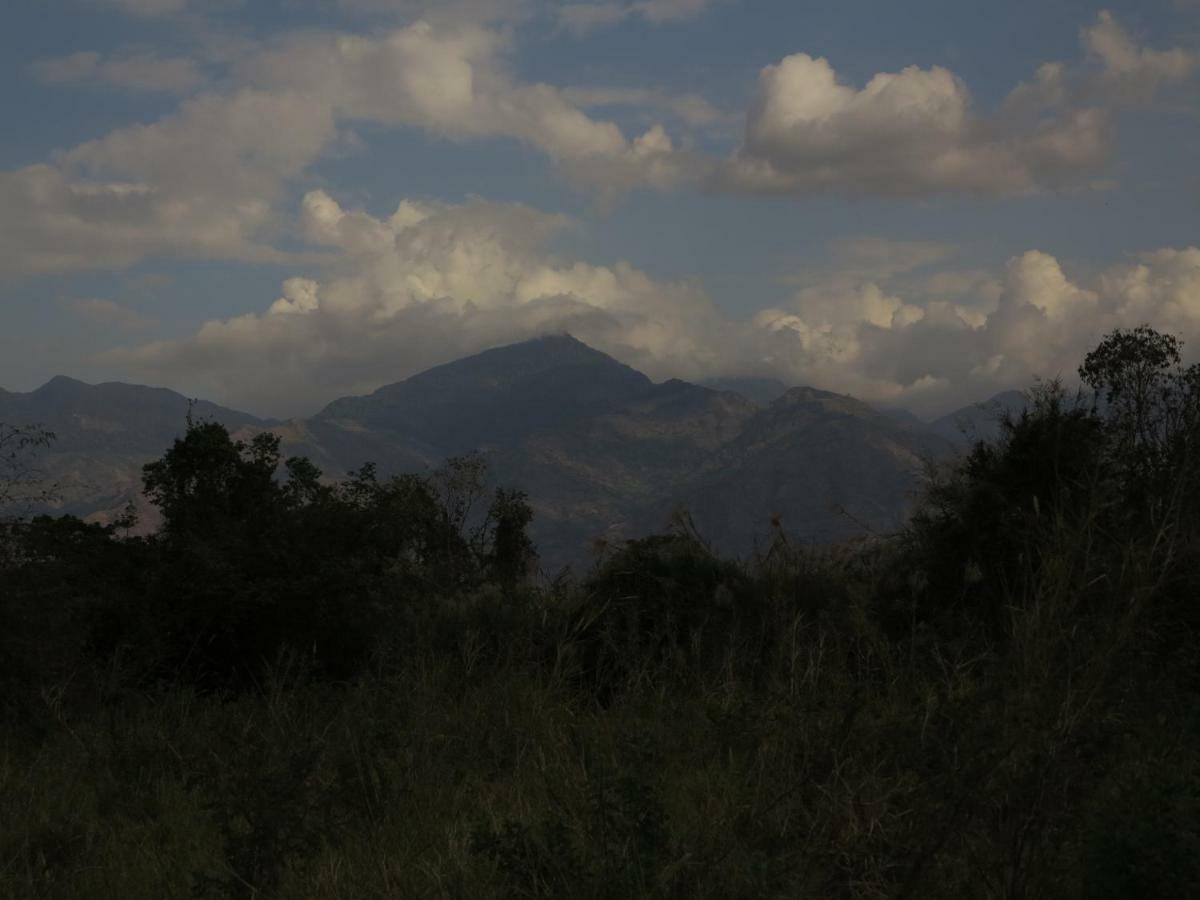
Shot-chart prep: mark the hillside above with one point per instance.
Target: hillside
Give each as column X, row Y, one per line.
column 601, row 449
column 104, row 433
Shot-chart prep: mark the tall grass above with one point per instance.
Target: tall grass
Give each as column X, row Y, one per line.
column 1002, row 701
column 806, row 753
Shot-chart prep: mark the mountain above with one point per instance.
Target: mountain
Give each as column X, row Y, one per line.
column 904, row 416
column 827, row 466
column 601, row 449
column 482, row 402
column 104, row 433
column 979, row 421
column 763, row 391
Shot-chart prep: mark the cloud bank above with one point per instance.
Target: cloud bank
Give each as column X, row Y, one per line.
column 916, row 133
column 429, row 284
column 893, row 323
column 215, row 178
column 210, row 180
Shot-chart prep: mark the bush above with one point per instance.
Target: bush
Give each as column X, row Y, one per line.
column 308, row 688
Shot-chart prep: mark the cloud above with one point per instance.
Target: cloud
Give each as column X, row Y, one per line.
column 915, row 132
column 1129, row 68
column 691, row 109
column 456, row 83
column 580, row 18
column 163, row 8
column 428, row 284
column 203, row 182
column 879, row 257
column 959, row 337
column 209, row 180
column 109, row 313
column 144, row 72
column 452, row 12
column 897, row 323
column 903, row 134
column 214, row 179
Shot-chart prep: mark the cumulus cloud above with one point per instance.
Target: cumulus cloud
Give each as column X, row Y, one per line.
column 456, row 83
column 915, row 132
column 897, row 324
column 958, row 337
column 144, row 72
column 1132, row 69
column 213, row 179
column 209, row 179
column 430, row 283
column 905, row 133
column 203, row 182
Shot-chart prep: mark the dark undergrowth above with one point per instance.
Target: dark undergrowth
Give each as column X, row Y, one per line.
column 299, row 689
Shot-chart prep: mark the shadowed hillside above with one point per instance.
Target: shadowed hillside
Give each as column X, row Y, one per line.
column 104, row 433
column 359, row 687
column 602, row 451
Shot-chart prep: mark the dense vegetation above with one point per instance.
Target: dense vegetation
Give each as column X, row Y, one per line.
column 304, row 689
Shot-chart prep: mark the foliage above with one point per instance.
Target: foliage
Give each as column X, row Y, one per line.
column 310, row 688
column 20, row 483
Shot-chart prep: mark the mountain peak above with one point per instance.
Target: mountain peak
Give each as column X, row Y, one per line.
column 544, row 351
column 808, row 396
column 492, row 396
column 60, row 384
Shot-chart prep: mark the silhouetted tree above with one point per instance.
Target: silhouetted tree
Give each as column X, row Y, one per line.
column 511, row 556
column 21, row 483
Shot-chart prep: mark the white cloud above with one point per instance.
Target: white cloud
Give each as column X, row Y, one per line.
column 203, row 182
column 907, row 133
column 958, row 337
column 456, row 83
column 915, row 132
column 213, row 178
column 897, row 324
column 145, row 72
column 209, row 179
column 426, row 285
column 1128, row 67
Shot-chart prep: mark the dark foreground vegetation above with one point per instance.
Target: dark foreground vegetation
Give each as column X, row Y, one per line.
column 355, row 690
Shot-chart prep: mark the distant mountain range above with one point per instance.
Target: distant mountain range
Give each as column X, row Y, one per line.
column 602, row 450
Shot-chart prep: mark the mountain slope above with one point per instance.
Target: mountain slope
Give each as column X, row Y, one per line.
column 104, row 433
column 600, row 448
column 979, row 421
column 763, row 391
column 825, row 465
column 496, row 396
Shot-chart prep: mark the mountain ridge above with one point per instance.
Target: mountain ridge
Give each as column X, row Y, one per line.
column 600, row 447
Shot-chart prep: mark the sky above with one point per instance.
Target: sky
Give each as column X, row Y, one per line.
column 274, row 203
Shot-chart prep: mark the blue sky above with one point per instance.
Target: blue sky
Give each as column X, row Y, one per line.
column 278, row 202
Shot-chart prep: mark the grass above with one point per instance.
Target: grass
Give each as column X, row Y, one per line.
column 840, row 762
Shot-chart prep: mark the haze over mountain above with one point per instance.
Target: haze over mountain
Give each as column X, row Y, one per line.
column 602, row 450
